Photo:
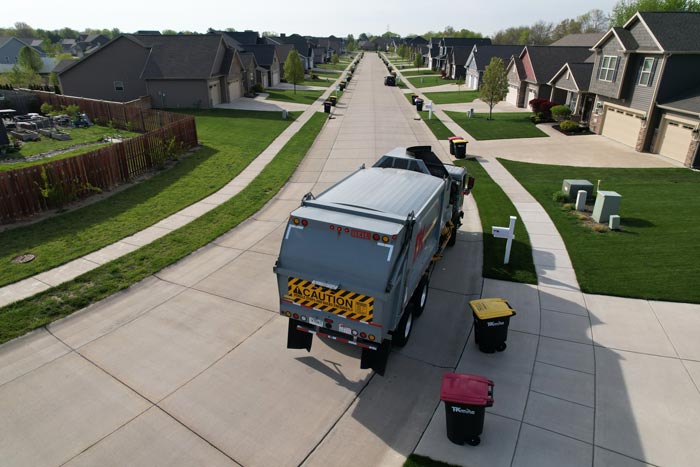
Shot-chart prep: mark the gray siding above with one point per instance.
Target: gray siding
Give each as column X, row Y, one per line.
column 94, row 76
column 640, row 97
column 10, row 51
column 607, row 88
column 563, row 83
column 183, row 93
column 680, row 75
column 643, row 38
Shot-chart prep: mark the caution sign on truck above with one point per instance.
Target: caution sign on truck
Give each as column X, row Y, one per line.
column 339, row 302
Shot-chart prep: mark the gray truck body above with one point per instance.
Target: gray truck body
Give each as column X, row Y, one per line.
column 352, row 257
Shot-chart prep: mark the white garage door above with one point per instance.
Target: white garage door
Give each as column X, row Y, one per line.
column 512, row 96
column 275, row 78
column 676, row 137
column 234, row 89
column 530, row 95
column 622, row 126
column 215, row 94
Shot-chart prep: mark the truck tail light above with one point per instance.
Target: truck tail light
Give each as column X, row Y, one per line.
column 328, row 320
column 385, row 239
column 295, row 315
column 288, row 314
column 332, row 227
column 375, row 237
column 304, row 222
column 371, row 337
column 363, row 335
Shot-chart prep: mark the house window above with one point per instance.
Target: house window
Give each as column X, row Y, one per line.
column 645, row 75
column 607, row 68
column 119, row 86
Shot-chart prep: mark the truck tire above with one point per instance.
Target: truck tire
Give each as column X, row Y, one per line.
column 453, row 236
column 420, row 296
column 403, row 331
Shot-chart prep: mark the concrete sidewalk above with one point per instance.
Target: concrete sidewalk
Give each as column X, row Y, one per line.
column 69, row 271
column 582, row 380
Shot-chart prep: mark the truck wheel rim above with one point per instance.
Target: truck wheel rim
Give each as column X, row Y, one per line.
column 423, row 295
column 409, row 323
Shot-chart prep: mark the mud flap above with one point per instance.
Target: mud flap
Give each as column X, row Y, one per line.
column 298, row 339
column 376, row 359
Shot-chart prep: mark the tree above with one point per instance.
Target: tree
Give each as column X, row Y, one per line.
column 169, row 32
column 625, row 9
column 418, row 60
column 23, row 30
column 494, row 84
column 363, row 37
column 594, row 21
column 335, row 59
column 459, row 83
column 29, row 58
column 293, row 69
column 21, row 76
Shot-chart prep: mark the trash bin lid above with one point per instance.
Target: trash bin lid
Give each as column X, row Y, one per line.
column 457, row 141
column 489, row 308
column 452, row 138
column 463, row 388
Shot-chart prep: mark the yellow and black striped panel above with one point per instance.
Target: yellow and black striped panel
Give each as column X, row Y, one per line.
column 339, row 302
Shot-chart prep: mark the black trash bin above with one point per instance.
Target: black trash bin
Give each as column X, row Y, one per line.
column 460, row 148
column 334, row 100
column 413, row 98
column 491, row 320
column 390, row 80
column 342, row 86
column 451, row 139
column 466, row 398
column 419, row 104
column 327, row 107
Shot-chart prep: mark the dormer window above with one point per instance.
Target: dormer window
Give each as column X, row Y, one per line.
column 607, row 68
column 645, row 74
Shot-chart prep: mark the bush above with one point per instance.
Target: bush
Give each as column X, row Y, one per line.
column 543, row 106
column 560, row 197
column 46, row 108
column 568, row 125
column 258, row 87
column 561, row 112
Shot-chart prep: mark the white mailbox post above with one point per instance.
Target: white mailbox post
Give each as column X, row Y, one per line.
column 507, row 233
column 429, row 106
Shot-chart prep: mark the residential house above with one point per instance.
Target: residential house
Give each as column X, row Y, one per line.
column 481, row 55
column 530, row 72
column 645, row 78
column 252, row 73
column 456, row 57
column 431, row 58
column 301, row 45
column 246, row 37
column 68, row 45
column 446, row 43
column 579, row 40
column 9, row 49
column 175, row 71
column 320, row 55
column 268, row 60
column 282, row 52
column 570, row 86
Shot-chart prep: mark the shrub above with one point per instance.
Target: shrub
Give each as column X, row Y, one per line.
column 542, row 105
column 568, row 125
column 46, row 108
column 258, row 87
column 600, row 228
column 561, row 112
column 560, row 197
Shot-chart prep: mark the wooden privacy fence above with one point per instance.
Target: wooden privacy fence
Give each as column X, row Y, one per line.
column 29, row 191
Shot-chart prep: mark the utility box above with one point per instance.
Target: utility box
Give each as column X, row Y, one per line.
column 572, row 187
column 607, row 203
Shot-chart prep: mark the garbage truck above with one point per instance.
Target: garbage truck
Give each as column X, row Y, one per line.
column 356, row 261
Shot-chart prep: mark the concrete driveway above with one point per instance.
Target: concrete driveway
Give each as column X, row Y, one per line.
column 260, row 102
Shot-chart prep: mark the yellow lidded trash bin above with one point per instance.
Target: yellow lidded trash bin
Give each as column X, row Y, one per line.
column 491, row 320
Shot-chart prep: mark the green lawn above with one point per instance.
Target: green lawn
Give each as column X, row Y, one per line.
column 327, row 74
column 436, row 126
column 323, row 82
column 21, row 317
column 505, row 125
column 428, row 81
column 230, row 140
column 495, row 208
column 93, row 134
column 330, row 66
column 426, row 71
column 452, row 97
column 655, row 256
column 300, row 97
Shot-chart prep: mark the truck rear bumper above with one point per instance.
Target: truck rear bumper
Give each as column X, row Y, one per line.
column 335, row 335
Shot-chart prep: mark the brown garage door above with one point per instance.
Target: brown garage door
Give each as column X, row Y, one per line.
column 622, row 126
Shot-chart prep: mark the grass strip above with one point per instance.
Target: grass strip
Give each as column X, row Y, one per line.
column 494, row 209
column 300, row 97
column 420, row 72
column 655, row 254
column 429, row 81
column 435, row 124
column 452, row 97
column 21, row 317
column 504, row 125
column 230, row 140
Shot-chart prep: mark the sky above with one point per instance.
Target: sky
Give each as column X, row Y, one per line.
column 306, row 17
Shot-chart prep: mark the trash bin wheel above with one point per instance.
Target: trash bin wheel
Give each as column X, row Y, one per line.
column 501, row 347
column 420, row 296
column 403, row 331
column 486, row 349
column 474, row 441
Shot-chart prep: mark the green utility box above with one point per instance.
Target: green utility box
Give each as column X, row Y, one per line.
column 572, row 187
column 607, row 203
